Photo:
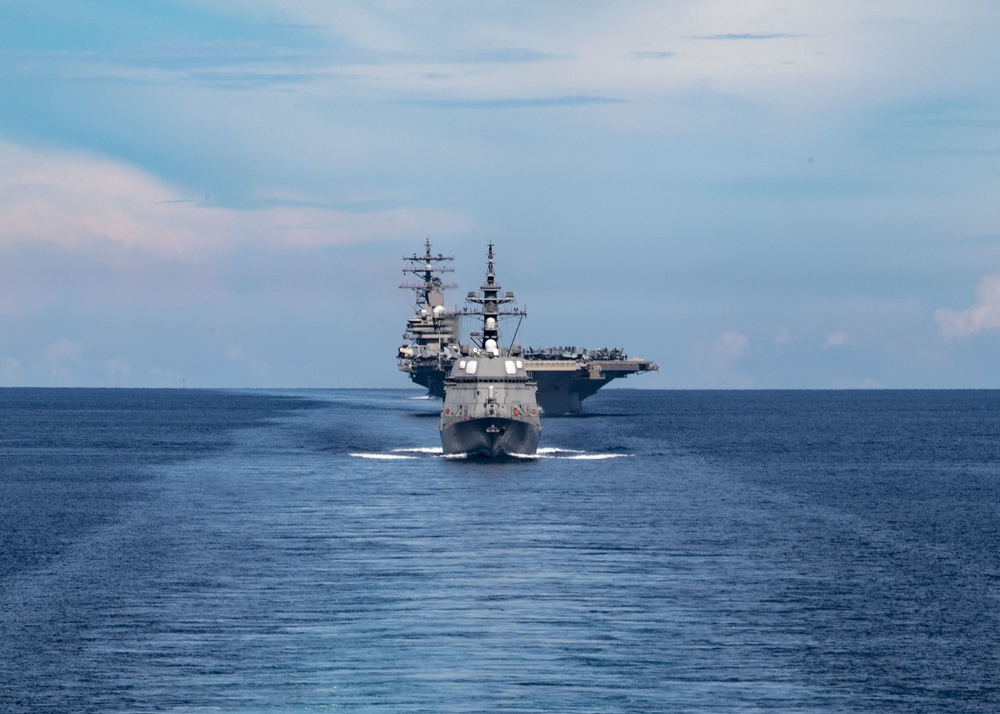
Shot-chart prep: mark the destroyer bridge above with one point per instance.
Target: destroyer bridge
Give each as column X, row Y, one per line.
column 565, row 375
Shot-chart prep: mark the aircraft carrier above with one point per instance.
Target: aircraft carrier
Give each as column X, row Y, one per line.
column 565, row 375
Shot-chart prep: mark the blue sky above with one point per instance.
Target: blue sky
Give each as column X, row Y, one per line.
column 754, row 194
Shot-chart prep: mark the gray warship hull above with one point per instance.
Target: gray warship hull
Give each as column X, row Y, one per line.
column 490, row 436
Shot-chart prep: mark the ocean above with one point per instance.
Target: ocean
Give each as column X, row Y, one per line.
column 669, row 551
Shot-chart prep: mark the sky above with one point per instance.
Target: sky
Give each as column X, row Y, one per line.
column 751, row 193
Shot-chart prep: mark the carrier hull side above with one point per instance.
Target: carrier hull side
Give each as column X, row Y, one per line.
column 562, row 385
column 490, row 436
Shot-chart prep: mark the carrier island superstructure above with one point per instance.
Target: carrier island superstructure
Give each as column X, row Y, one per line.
column 565, row 375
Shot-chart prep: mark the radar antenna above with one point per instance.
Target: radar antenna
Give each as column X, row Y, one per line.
column 429, row 288
column 490, row 310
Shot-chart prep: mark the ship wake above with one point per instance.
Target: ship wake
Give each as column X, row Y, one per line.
column 423, row 452
column 552, row 452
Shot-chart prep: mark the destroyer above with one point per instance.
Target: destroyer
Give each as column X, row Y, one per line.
column 489, row 401
column 565, row 376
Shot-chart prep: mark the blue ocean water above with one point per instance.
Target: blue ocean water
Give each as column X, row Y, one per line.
column 212, row 551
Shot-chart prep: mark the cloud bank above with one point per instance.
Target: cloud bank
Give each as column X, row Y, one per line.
column 983, row 315
column 74, row 200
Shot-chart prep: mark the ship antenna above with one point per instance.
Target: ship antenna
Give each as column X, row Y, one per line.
column 520, row 318
column 426, row 269
column 491, row 300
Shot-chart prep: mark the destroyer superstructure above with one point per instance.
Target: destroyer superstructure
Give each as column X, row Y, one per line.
column 565, row 375
column 490, row 406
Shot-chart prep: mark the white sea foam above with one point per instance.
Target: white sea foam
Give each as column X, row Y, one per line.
column 547, row 452
column 552, row 452
column 555, row 451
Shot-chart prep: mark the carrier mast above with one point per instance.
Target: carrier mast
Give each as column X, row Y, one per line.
column 426, row 269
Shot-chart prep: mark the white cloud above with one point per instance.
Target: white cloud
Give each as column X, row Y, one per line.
column 75, row 200
column 717, row 363
column 62, row 350
column 983, row 315
column 79, row 201
column 730, row 346
column 62, row 357
column 117, row 368
column 749, row 47
column 11, row 371
column 836, row 339
column 80, row 229
column 252, row 368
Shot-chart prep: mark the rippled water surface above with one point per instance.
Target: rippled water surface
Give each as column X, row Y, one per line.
column 209, row 551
